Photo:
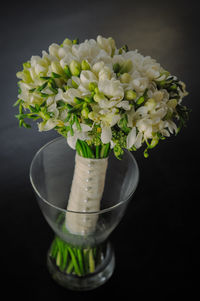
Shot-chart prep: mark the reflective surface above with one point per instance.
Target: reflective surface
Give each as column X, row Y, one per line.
column 80, row 262
column 51, row 176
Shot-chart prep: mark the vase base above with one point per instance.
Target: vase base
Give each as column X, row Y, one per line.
column 87, row 282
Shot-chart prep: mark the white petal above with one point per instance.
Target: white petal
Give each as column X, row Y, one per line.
column 138, row 141
column 106, row 135
column 47, row 125
column 97, row 67
column 85, row 127
column 76, row 79
column 130, row 140
column 53, row 49
column 86, row 77
column 124, row 105
column 112, row 144
column 52, row 108
column 111, row 88
column 67, row 59
column 71, row 140
column 70, row 94
column 105, row 73
column 39, row 68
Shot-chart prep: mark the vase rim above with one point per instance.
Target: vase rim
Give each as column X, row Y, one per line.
column 101, row 211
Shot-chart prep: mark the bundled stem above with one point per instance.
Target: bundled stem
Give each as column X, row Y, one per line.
column 94, row 152
column 75, row 260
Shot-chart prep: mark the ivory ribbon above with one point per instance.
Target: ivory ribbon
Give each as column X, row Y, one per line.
column 86, row 193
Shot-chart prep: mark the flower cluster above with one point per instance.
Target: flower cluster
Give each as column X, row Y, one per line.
column 97, row 93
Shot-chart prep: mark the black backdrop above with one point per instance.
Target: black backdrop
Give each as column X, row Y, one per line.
column 156, row 244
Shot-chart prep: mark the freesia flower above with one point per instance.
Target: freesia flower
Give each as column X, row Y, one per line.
column 77, row 88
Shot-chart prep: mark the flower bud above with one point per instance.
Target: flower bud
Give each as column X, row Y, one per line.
column 56, row 68
column 92, row 86
column 74, row 84
column 75, row 68
column 116, row 67
column 67, row 42
column 85, row 112
column 67, row 71
column 85, row 65
column 130, row 95
column 172, row 103
column 125, row 78
column 140, row 100
column 98, row 96
column 150, row 104
column 75, row 41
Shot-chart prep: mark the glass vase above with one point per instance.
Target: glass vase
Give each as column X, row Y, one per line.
column 80, row 261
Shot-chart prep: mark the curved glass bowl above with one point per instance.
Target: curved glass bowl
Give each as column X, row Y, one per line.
column 51, row 175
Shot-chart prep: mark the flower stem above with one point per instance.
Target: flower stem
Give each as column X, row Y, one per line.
column 92, row 151
column 75, row 260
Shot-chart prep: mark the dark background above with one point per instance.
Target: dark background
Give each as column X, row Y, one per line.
column 156, row 244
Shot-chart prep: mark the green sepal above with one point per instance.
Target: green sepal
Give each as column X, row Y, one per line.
column 55, row 75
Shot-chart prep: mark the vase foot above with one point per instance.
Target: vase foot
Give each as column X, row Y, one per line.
column 87, row 282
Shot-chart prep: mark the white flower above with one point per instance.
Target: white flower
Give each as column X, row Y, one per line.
column 112, row 89
column 145, row 126
column 140, row 84
column 68, row 58
column 118, row 59
column 138, row 141
column 68, row 96
column 82, row 135
column 105, row 73
column 105, row 103
column 47, row 125
column 87, row 77
column 106, row 134
column 171, row 126
column 130, row 140
column 86, row 50
column 124, row 105
column 53, row 109
column 53, row 49
column 109, row 118
column 109, row 84
column 97, row 67
column 107, row 44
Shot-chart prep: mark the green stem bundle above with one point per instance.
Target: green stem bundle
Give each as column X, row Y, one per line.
column 91, row 151
column 75, row 260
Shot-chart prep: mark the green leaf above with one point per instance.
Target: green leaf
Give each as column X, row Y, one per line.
column 67, row 71
column 55, row 75
column 19, row 101
column 45, row 77
column 39, row 89
column 32, row 90
column 44, row 94
column 61, row 103
column 123, row 124
column 77, row 123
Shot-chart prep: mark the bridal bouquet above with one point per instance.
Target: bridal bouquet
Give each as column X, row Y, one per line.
column 101, row 99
